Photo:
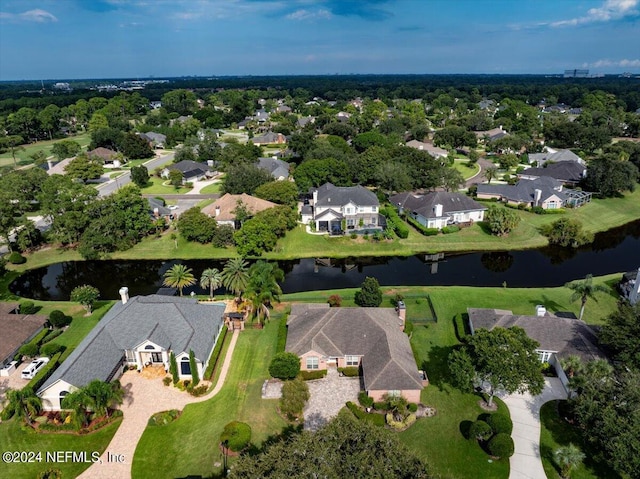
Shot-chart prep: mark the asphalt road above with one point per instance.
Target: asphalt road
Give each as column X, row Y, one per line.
column 111, row 186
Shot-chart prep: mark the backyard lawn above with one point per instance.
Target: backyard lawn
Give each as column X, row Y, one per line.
column 211, row 189
column 188, row 447
column 555, row 433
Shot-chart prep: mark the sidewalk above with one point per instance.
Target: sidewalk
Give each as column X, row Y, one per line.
column 143, row 398
column 525, row 414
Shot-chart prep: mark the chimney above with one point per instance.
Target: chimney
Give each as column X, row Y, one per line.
column 156, row 212
column 217, row 211
column 536, row 198
column 315, row 197
column 124, row 294
column 634, row 296
column 541, row 310
column 402, row 313
column 438, row 210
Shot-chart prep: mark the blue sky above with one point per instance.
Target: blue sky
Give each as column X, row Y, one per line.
column 54, row 39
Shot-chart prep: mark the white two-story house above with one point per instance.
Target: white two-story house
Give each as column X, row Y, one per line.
column 343, row 208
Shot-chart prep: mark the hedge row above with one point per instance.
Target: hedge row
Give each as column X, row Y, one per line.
column 32, row 347
column 375, row 419
column 422, row 229
column 282, row 335
column 311, row 375
column 350, row 371
column 45, row 373
column 213, row 360
column 395, row 222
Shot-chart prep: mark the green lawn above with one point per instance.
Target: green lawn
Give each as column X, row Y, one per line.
column 160, row 186
column 188, row 446
column 599, row 215
column 24, row 156
column 14, row 436
column 557, row 432
column 211, row 189
column 466, row 171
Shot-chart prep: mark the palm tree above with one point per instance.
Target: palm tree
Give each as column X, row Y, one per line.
column 490, row 173
column 211, row 278
column 571, row 364
column 79, row 403
column 103, row 395
column 567, row 457
column 179, row 276
column 584, row 290
column 263, row 288
column 235, row 275
column 23, row 403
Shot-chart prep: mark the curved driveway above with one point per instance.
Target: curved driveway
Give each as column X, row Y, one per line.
column 525, row 414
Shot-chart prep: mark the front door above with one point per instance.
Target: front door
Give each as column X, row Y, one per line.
column 156, row 357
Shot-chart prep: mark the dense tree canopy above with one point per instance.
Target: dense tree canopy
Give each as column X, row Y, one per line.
column 497, row 360
column 348, row 448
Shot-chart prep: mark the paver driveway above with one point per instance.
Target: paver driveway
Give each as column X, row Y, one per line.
column 143, row 398
column 525, row 414
column 328, row 396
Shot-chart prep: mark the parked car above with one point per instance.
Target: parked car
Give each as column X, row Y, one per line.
column 33, row 367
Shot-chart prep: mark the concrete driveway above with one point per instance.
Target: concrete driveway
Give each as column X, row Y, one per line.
column 525, row 414
column 14, row 381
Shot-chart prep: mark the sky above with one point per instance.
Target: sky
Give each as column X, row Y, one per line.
column 74, row 39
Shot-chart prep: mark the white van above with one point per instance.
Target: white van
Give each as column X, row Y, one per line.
column 34, row 366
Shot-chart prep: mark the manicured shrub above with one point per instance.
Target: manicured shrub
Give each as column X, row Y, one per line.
column 49, row 349
column 350, row 371
column 369, row 294
column 539, row 210
column 29, row 350
column 173, row 368
column 51, row 335
column 294, row 396
column 402, row 424
column 422, row 229
column 215, row 355
column 50, row 474
column 412, row 407
column 194, row 369
column 501, row 445
column 164, row 417
column 450, row 229
column 381, row 405
column 373, row 418
column 199, row 390
column 16, row 258
column 480, row 431
column 364, row 399
column 311, row 375
column 284, row 366
column 28, row 308
column 500, row 423
column 395, row 222
column 282, row 335
column 166, row 381
column 408, row 328
column 58, row 319
column 334, row 301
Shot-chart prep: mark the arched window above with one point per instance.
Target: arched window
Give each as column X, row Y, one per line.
column 149, row 346
column 62, row 395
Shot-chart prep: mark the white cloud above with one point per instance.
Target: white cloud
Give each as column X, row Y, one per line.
column 309, row 15
column 609, row 10
column 37, row 15
column 607, row 63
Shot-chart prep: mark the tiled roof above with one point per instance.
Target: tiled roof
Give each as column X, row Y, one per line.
column 228, row 203
column 374, row 333
column 15, row 329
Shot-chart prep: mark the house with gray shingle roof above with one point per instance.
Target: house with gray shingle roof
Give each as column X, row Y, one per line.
column 545, row 192
column 191, row 170
column 569, row 173
column 559, row 336
column 141, row 331
column 356, row 205
column 554, row 156
column 371, row 338
column 279, row 169
column 438, row 209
